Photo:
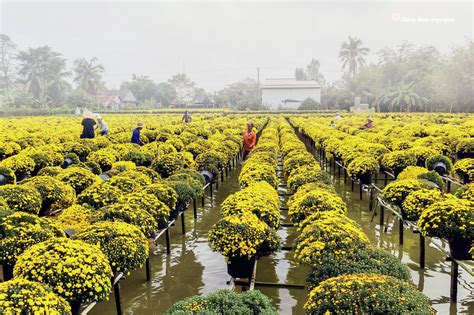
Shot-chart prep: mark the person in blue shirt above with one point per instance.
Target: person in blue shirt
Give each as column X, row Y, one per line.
column 136, row 134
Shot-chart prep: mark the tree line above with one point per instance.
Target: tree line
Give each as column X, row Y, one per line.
column 403, row 78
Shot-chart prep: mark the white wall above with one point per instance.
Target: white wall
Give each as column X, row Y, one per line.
column 275, row 97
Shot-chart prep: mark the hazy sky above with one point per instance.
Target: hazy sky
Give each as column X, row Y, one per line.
column 218, row 43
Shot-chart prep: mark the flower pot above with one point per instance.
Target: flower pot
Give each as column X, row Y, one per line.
column 75, row 307
column 162, row 225
column 7, row 272
column 366, row 179
column 465, row 179
column 459, row 248
column 440, row 168
column 241, row 267
column 174, row 214
column 465, row 155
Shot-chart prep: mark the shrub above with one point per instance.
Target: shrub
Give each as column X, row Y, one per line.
column 314, row 201
column 465, row 169
column 150, row 203
column 450, row 219
column 125, row 246
column 77, row 271
column 370, row 260
column 22, row 198
column 54, row 193
column 367, row 294
column 306, row 174
column 168, row 164
column 242, row 236
column 361, row 166
column 260, row 199
column 211, row 161
column 75, row 217
column 131, row 214
column 22, row 230
column 20, row 164
column 328, row 236
column 99, row 195
column 78, row 178
column 9, row 175
column 254, row 173
column 20, row 296
column 398, row 190
column 432, row 160
column 398, row 160
column 419, row 200
column 225, row 302
column 124, row 184
column 163, row 192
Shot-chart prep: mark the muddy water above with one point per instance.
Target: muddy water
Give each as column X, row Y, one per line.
column 193, row 269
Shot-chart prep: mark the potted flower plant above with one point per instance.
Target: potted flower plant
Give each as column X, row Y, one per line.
column 363, row 168
column 242, row 239
column 450, row 219
column 465, row 170
column 398, row 160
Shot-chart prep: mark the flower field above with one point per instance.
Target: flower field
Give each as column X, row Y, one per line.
column 76, row 213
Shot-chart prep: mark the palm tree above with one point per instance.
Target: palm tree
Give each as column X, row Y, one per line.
column 404, row 97
column 88, row 75
column 352, row 55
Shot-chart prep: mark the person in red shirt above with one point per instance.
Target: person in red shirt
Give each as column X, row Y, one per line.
column 369, row 124
column 249, row 140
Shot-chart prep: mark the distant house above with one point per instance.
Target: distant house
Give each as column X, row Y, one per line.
column 288, row 93
column 115, row 100
column 359, row 108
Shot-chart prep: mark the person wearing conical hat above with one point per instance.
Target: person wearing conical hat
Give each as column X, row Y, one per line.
column 136, row 134
column 88, row 123
column 369, row 124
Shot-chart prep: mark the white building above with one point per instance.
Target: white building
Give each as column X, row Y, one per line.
column 288, row 93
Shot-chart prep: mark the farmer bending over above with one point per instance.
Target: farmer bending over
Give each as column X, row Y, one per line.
column 136, row 134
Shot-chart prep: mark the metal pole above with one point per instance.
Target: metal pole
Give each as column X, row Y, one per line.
column 118, row 300
column 371, row 202
column 217, row 181
column 195, row 208
column 148, row 269
column 210, row 189
column 222, row 176
column 454, row 280
column 360, row 191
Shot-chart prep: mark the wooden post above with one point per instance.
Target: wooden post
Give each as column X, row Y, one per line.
column 371, row 202
column 183, row 224
column 195, row 208
column 168, row 245
column 148, row 269
column 118, row 299
column 422, row 251
column 360, row 191
column 210, row 189
column 382, row 210
column 454, row 280
column 400, row 234
column 222, row 176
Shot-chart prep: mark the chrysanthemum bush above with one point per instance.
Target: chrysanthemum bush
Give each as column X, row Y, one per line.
column 368, row 260
column 78, row 178
column 225, row 302
column 306, row 174
column 398, row 160
column 99, row 195
column 260, row 199
column 22, row 198
column 163, row 192
column 125, row 246
column 396, row 191
column 150, row 203
column 367, row 293
column 8, row 174
column 303, row 204
column 451, row 218
column 242, row 236
column 362, row 165
column 54, row 193
column 464, row 169
column 75, row 270
column 417, row 201
column 21, row 296
column 76, row 217
column 328, row 236
column 132, row 214
column 21, row 230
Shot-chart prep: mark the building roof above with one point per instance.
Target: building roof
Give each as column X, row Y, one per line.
column 285, row 83
column 129, row 97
